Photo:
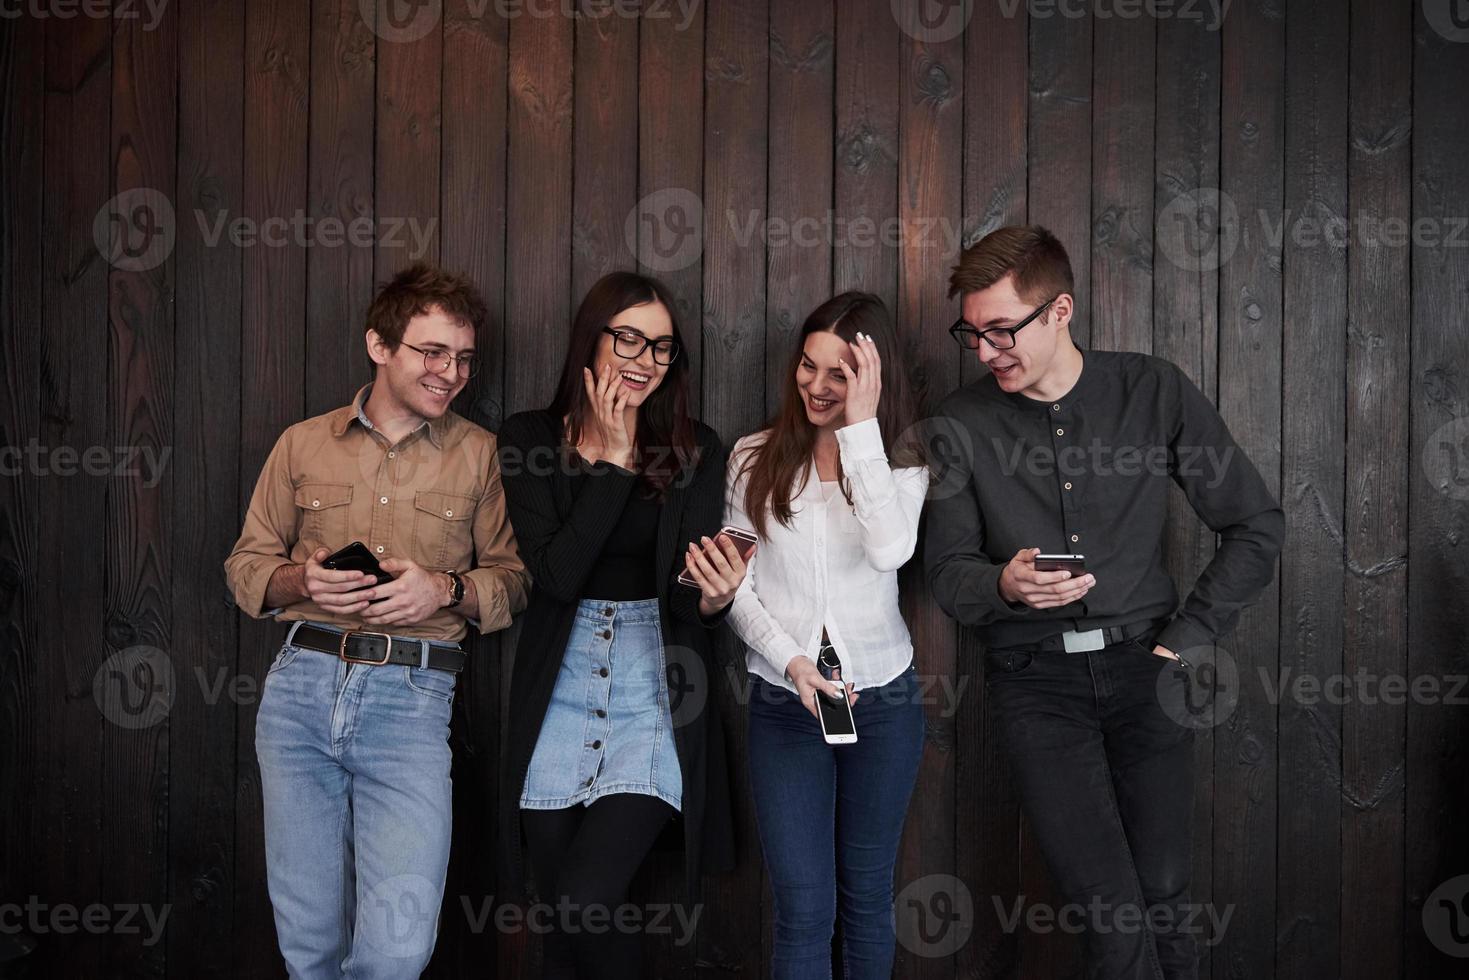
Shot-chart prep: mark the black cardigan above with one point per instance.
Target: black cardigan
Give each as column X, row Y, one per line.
column 560, row 525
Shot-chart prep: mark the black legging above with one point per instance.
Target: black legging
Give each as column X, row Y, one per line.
column 583, row 858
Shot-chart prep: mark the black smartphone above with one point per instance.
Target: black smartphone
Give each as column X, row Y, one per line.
column 837, row 724
column 1075, row 564
column 744, row 542
column 356, row 558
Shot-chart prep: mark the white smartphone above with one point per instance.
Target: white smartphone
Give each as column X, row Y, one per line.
column 837, row 724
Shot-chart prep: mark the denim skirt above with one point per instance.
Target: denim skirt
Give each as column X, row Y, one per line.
column 608, row 728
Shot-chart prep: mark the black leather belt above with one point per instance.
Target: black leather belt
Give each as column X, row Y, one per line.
column 377, row 649
column 1109, row 635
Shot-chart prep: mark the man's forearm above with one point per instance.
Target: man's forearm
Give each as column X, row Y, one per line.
column 286, row 587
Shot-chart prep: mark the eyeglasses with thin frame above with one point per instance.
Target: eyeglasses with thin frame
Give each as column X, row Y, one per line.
column 1000, row 338
column 629, row 345
column 435, row 360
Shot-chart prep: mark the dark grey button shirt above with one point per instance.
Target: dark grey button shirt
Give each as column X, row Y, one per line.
column 1089, row 474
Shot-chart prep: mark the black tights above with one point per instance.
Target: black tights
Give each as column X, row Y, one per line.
column 583, row 859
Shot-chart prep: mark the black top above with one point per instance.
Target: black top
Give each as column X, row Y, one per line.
column 626, row 569
column 562, row 522
column 1089, row 474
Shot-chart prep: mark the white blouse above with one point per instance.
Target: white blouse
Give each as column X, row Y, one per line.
column 836, row 565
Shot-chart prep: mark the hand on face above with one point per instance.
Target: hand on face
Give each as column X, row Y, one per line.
column 864, row 379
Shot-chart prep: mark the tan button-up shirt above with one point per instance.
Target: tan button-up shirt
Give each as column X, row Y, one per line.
column 433, row 498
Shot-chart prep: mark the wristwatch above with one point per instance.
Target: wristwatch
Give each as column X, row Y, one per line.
column 456, row 588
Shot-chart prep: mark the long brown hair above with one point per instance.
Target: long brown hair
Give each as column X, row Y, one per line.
column 786, row 455
column 665, row 433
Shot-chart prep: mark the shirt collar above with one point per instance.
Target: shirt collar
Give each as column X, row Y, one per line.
column 357, row 412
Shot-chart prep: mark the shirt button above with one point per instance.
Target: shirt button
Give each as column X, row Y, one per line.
column 596, row 743
column 379, row 549
column 1075, row 538
column 448, row 513
column 316, row 503
column 601, row 713
column 1060, row 432
column 607, row 611
column 602, row 672
column 382, row 500
column 392, row 455
column 606, row 634
column 1056, row 407
column 1068, row 486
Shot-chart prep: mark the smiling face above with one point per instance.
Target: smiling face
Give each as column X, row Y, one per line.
column 640, row 375
column 403, row 373
column 820, row 381
column 1026, row 365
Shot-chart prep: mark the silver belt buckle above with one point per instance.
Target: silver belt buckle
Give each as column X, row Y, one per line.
column 1082, row 642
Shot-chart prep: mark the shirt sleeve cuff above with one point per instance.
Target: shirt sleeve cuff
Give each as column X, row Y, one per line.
column 251, row 588
column 494, row 607
column 1180, row 635
column 861, row 441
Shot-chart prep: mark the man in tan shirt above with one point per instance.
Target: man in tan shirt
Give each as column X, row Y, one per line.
column 354, row 715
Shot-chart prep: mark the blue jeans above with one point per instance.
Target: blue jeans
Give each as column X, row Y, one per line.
column 830, row 816
column 354, row 768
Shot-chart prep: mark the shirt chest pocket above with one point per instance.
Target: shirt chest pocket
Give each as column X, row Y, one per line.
column 442, row 535
column 322, row 509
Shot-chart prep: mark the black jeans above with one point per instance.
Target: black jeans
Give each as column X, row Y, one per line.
column 1105, row 777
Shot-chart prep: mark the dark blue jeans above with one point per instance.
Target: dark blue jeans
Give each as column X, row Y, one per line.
column 1105, row 777
column 830, row 818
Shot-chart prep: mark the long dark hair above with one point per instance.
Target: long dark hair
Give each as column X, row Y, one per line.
column 786, row 455
column 665, row 444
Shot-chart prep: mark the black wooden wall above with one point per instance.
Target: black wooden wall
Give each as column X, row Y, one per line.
column 1276, row 202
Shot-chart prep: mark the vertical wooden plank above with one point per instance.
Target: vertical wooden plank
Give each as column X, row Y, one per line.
column 865, row 188
column 736, row 68
column 538, row 274
column 1252, row 109
column 406, row 159
column 272, row 331
column 339, row 268
column 205, row 468
column 73, row 413
column 1374, row 728
column 1187, row 249
column 1313, row 446
column 930, row 209
column 24, row 717
column 606, row 146
column 473, row 242
column 987, row 817
column 799, row 246
column 1438, row 727
column 1122, row 200
column 668, row 227
column 1061, row 144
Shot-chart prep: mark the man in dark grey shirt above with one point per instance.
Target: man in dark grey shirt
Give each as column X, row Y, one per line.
column 1057, row 450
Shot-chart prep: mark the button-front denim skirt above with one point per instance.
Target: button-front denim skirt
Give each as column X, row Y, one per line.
column 608, row 728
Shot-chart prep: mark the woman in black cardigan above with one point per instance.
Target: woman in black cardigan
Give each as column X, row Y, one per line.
column 614, row 731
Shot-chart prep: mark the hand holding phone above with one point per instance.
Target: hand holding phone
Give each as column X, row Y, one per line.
column 331, row 579
column 1023, row 580
column 744, row 543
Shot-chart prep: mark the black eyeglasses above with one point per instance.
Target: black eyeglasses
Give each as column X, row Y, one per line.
column 629, row 345
column 1000, row 338
column 435, row 360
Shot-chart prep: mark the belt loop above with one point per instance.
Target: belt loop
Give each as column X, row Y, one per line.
column 423, row 655
column 291, row 633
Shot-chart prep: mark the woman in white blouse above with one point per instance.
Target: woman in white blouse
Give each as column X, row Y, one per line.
column 836, row 518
